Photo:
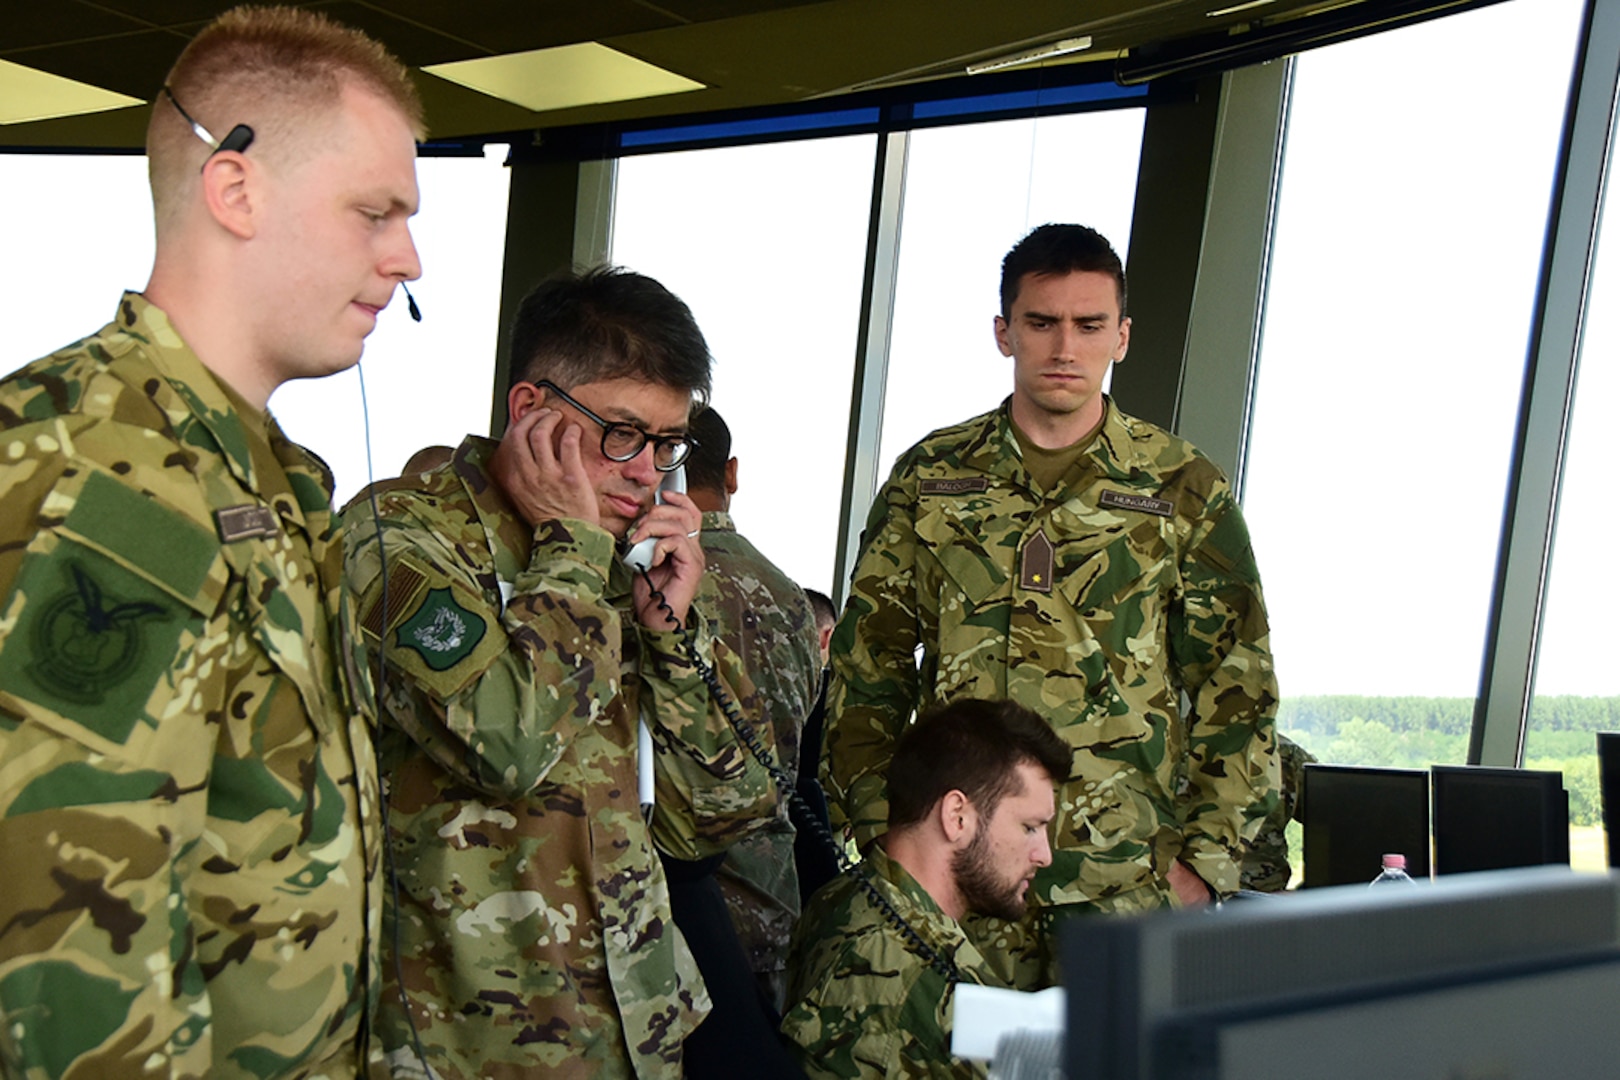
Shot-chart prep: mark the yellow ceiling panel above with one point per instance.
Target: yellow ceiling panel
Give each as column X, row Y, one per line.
column 28, row 94
column 564, row 77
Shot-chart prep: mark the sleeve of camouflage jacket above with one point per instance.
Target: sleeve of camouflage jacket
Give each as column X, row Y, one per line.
column 500, row 707
column 710, row 790
column 1220, row 640
column 104, row 807
column 875, row 683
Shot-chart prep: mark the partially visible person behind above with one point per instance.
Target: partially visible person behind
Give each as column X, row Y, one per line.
column 188, row 798
column 1265, row 866
column 767, row 620
column 814, row 857
column 426, row 460
column 534, row 916
column 737, row 909
column 970, row 804
column 826, row 619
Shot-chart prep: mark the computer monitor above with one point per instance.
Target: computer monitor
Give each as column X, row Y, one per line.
column 1608, row 747
column 1355, row 815
column 1508, row 973
column 1492, row 819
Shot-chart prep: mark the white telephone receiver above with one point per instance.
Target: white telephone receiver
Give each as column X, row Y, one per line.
column 640, row 556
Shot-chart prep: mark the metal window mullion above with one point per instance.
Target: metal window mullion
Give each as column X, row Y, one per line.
column 1507, row 678
column 871, row 352
column 1223, row 330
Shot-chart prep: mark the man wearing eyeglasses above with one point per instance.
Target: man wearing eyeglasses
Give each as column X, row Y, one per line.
column 534, row 924
column 189, row 827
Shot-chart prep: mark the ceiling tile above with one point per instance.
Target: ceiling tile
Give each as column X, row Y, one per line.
column 510, row 27
column 27, row 25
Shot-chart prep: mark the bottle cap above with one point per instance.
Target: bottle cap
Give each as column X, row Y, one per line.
column 1394, row 862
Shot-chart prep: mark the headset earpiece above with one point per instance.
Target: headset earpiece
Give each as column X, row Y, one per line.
column 239, row 139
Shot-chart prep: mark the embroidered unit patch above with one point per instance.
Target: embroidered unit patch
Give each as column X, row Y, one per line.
column 441, row 631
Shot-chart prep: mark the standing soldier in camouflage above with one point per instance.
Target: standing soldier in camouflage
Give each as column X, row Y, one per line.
column 1265, row 865
column 767, row 620
column 1091, row 567
column 534, row 920
column 880, row 950
column 188, row 800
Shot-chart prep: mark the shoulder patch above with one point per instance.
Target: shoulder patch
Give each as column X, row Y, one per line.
column 441, row 630
column 439, row 633
column 92, row 639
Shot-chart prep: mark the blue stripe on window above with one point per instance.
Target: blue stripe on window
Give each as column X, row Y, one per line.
column 1026, row 99
column 744, row 128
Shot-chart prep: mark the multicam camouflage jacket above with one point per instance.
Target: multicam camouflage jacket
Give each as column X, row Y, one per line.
column 535, row 931
column 862, row 1001
column 1098, row 605
column 1265, row 866
column 188, row 798
column 766, row 619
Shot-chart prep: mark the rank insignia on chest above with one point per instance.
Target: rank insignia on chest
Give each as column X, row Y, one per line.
column 246, row 522
column 1035, row 563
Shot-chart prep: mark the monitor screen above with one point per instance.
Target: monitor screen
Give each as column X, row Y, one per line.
column 1504, row 974
column 1356, row 815
column 1493, row 819
column 1608, row 745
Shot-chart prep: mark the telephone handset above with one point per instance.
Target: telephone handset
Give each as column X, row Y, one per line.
column 640, row 556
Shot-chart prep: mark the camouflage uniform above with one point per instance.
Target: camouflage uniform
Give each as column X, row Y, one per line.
column 862, row 1001
column 535, row 931
column 1265, row 861
column 767, row 620
column 1097, row 605
column 188, row 814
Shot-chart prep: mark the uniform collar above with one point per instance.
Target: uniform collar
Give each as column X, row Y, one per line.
column 994, row 449
column 268, row 464
column 718, row 521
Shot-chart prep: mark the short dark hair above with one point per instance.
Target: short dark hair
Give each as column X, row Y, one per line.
column 608, row 323
column 1059, row 249
column 972, row 746
column 822, row 605
column 706, row 465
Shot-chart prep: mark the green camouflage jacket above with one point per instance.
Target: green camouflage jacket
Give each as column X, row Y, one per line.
column 864, row 1003
column 766, row 619
column 188, row 798
column 536, row 931
column 1098, row 606
column 1265, row 863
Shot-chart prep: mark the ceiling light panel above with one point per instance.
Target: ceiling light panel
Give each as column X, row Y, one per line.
column 29, row 94
column 564, row 77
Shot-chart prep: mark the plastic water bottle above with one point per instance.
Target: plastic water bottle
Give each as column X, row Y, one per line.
column 1394, row 872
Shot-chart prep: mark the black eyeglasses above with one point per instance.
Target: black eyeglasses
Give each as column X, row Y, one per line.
column 621, row 442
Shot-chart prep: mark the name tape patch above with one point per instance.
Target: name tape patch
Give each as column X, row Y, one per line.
column 954, row 487
column 246, row 522
column 1145, row 503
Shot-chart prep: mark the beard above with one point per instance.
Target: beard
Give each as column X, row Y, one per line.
column 982, row 891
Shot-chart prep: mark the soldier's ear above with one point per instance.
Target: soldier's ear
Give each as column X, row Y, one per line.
column 523, row 397
column 958, row 819
column 230, row 193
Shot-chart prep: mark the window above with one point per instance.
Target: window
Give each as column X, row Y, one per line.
column 87, row 236
column 972, row 192
column 76, row 232
column 426, row 383
column 767, row 245
column 1408, row 242
column 1577, row 690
